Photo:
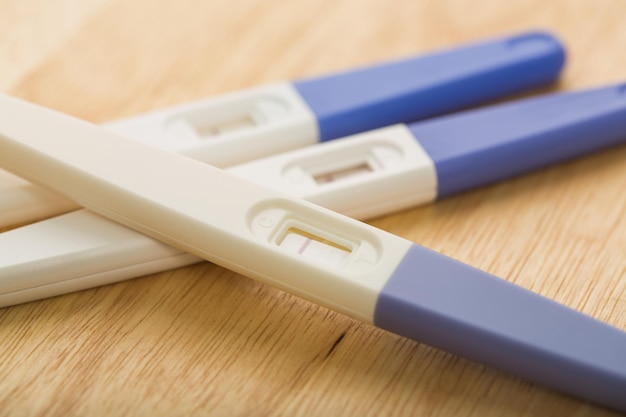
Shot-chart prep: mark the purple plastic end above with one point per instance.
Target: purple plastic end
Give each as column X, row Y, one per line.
column 432, row 84
column 449, row 305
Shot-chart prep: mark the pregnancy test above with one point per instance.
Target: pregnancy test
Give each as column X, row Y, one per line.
column 363, row 176
column 251, row 124
column 316, row 254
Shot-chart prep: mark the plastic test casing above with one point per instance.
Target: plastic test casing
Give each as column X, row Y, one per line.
column 365, row 175
column 317, row 254
column 254, row 123
column 374, row 173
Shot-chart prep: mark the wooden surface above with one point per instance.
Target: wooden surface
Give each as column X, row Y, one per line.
column 204, row 341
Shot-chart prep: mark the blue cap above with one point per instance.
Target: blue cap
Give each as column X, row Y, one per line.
column 478, row 147
column 430, row 85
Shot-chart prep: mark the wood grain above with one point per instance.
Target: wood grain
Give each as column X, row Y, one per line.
column 204, row 341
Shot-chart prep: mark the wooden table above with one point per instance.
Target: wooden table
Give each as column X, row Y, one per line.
column 202, row 340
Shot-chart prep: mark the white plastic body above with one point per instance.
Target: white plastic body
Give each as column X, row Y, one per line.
column 77, row 251
column 23, row 202
column 229, row 129
column 361, row 176
column 81, row 250
column 240, row 225
column 222, row 131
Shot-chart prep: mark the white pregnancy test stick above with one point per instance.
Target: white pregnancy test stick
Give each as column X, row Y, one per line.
column 317, row 254
column 81, row 250
column 254, row 123
column 365, row 175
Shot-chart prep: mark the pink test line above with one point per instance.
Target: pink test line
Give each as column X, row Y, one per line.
column 304, row 246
